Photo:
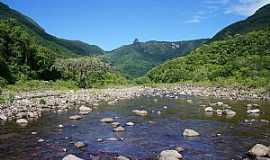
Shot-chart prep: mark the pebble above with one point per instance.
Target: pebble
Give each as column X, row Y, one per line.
column 41, row 140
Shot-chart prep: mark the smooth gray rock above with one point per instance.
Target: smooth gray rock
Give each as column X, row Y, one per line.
column 170, row 155
column 190, row 133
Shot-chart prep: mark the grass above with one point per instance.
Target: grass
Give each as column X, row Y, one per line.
column 34, row 85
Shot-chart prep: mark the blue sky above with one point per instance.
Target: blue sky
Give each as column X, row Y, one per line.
column 112, row 23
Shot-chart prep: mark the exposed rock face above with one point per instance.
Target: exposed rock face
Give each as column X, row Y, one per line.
column 170, row 155
column 140, row 112
column 190, row 133
column 71, row 157
column 259, row 150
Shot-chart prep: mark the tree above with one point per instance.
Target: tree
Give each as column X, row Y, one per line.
column 84, row 71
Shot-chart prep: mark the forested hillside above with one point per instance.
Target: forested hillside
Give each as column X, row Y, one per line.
column 241, row 59
column 64, row 47
column 136, row 59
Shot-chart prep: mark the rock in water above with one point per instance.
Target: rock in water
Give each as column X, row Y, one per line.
column 75, row 117
column 22, row 122
column 107, row 120
column 79, row 144
column 130, row 124
column 190, row 133
column 85, row 110
column 209, row 109
column 116, row 124
column 122, row 158
column 170, row 155
column 140, row 112
column 3, row 117
column 119, row 129
column 259, row 150
column 252, row 111
column 71, row 157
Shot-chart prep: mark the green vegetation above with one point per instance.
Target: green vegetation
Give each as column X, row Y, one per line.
column 136, row 59
column 242, row 59
column 87, row 72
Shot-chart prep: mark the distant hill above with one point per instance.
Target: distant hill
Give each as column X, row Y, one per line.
column 60, row 45
column 136, row 59
column 260, row 20
column 237, row 55
column 242, row 59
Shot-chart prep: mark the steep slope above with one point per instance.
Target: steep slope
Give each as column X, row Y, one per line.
column 61, row 45
column 259, row 20
column 241, row 59
column 136, row 59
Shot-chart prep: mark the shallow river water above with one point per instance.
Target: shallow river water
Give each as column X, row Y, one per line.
column 222, row 138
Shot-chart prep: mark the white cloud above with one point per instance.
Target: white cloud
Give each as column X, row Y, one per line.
column 246, row 7
column 195, row 19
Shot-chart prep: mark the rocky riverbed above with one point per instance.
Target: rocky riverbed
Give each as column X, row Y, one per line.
column 160, row 127
column 30, row 105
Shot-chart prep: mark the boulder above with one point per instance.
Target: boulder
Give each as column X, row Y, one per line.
column 170, row 155
column 107, row 120
column 230, row 112
column 259, row 150
column 22, row 121
column 79, row 144
column 119, row 129
column 190, row 133
column 140, row 112
column 71, row 157
column 208, row 109
column 122, row 158
column 116, row 124
column 253, row 111
column 75, row 117
column 130, row 124
column 3, row 117
column 85, row 109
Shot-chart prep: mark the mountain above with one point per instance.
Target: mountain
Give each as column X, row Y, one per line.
column 136, row 59
column 259, row 20
column 63, row 46
column 242, row 59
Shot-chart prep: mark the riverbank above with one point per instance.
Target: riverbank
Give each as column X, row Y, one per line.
column 30, row 105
